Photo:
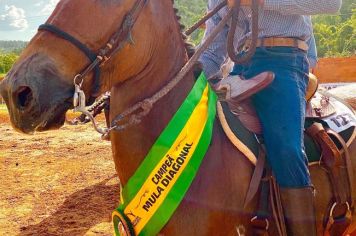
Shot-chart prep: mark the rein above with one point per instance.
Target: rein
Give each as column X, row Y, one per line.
column 92, row 56
column 231, row 35
column 123, row 36
column 117, row 41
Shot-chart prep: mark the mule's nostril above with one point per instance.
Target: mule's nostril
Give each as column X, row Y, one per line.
column 24, row 96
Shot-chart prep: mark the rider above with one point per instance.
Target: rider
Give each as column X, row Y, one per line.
column 312, row 54
column 283, row 32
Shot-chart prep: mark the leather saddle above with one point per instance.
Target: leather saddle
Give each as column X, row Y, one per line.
column 236, row 91
column 319, row 107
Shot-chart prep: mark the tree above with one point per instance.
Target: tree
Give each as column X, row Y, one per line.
column 6, row 61
column 335, row 35
column 190, row 12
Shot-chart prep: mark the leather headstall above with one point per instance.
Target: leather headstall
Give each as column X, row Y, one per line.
column 117, row 41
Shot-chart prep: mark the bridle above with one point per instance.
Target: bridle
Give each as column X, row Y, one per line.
column 123, row 37
column 116, row 42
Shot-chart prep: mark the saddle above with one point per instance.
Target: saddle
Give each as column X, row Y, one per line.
column 330, row 129
column 319, row 107
column 236, row 90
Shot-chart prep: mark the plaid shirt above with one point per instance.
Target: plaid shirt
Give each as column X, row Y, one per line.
column 277, row 18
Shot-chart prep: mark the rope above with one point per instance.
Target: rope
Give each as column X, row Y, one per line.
column 205, row 18
column 147, row 104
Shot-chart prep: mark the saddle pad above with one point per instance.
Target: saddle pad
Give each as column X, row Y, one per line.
column 240, row 137
column 342, row 119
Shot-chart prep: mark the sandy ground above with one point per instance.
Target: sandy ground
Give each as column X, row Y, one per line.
column 56, row 183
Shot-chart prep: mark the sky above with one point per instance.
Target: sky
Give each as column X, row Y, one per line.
column 19, row 19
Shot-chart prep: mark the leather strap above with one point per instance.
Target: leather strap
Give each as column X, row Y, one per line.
column 331, row 159
column 116, row 42
column 340, row 213
column 256, row 177
column 260, row 226
column 260, row 223
column 347, row 158
column 338, row 226
column 279, row 42
column 91, row 55
column 277, row 208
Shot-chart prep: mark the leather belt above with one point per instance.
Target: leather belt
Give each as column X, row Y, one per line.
column 278, row 42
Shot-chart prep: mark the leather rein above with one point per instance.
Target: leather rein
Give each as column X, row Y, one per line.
column 123, row 36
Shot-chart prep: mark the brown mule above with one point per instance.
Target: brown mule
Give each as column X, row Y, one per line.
column 39, row 89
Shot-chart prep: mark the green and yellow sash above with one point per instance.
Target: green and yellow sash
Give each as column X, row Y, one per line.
column 154, row 192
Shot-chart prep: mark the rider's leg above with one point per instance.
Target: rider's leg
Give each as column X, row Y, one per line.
column 281, row 108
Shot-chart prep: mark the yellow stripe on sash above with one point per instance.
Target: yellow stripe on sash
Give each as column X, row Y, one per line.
column 187, row 140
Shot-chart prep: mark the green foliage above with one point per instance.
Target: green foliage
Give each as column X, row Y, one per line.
column 191, row 11
column 335, row 35
column 9, row 52
column 6, row 61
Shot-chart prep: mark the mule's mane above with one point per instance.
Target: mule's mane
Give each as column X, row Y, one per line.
column 189, row 47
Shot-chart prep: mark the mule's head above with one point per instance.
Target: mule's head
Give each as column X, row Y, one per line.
column 39, row 88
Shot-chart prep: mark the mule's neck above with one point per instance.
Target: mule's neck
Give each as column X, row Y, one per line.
column 132, row 145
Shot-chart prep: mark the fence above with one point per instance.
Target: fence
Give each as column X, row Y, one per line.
column 336, row 70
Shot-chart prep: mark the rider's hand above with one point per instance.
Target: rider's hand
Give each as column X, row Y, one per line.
column 231, row 3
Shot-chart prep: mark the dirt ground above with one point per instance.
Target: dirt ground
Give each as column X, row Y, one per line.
column 56, row 183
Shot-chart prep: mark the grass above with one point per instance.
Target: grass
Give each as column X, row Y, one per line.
column 2, row 75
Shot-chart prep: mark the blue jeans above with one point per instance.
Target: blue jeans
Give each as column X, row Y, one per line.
column 281, row 109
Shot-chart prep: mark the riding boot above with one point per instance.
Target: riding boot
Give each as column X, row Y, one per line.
column 298, row 207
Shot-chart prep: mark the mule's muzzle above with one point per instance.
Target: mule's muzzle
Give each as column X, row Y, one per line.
column 36, row 95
